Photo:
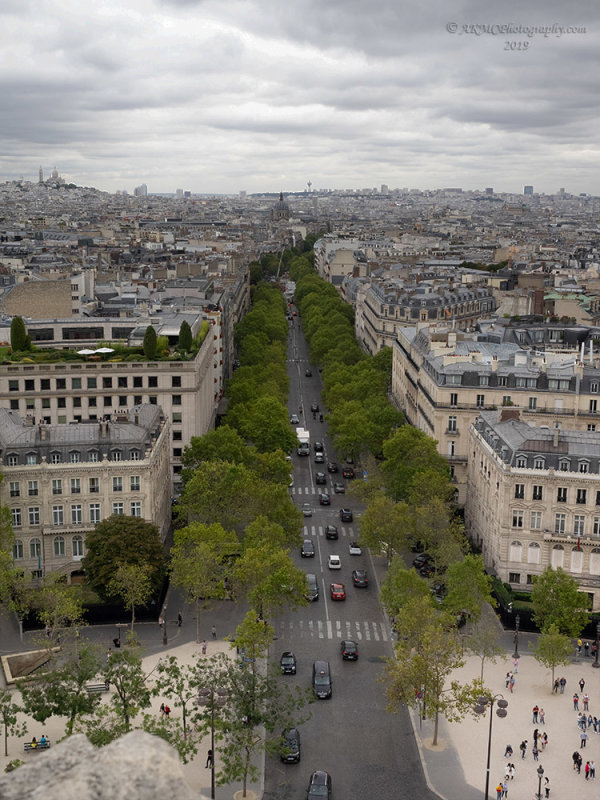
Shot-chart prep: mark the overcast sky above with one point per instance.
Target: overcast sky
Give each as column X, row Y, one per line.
column 265, row 95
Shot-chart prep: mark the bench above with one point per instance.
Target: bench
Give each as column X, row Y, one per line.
column 27, row 746
column 96, row 688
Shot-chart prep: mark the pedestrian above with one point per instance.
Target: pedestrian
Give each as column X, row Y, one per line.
column 214, row 632
column 590, row 721
column 209, row 759
column 547, row 786
column 167, row 711
column 556, row 685
column 535, row 752
column 179, row 620
column 575, row 758
column 535, row 714
column 511, row 771
column 523, row 748
column 508, row 677
column 505, row 788
column 563, row 683
column 512, row 684
column 580, row 720
column 579, row 763
column 162, row 709
column 586, row 648
column 508, row 751
column 595, row 724
column 575, row 702
column 586, row 702
column 579, row 646
column 161, row 622
column 581, row 685
column 542, row 716
column 544, row 740
column 584, row 738
column 536, row 733
column 592, row 770
column 499, row 791
column 516, row 665
column 587, row 770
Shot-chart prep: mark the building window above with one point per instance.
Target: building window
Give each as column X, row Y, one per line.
column 177, row 436
column 94, row 513
column 564, row 465
column 576, row 560
column 117, row 484
column 13, row 386
column 558, row 556
column 117, row 508
column 176, row 401
column 534, row 553
column 536, row 520
column 75, row 485
column 15, row 490
column 591, row 427
column 561, row 494
column 517, row 519
column 539, row 463
column 74, row 457
column 55, row 458
column 453, row 399
column 92, row 402
column 177, row 417
column 521, row 462
column 107, row 383
column 122, row 382
column 153, row 400
column 31, row 459
column 452, row 424
column 480, row 400
column 16, row 517
column 45, row 384
column 35, row 548
column 137, row 400
column 584, row 466
column 77, row 546
column 134, row 455
column 107, row 401
column 17, row 549
column 122, row 400
column 34, row 516
column 94, row 485
column 560, row 523
column 45, row 402
column 516, row 551
column 578, row 524
column 514, row 577
column 135, row 509
column 507, row 400
column 59, row 546
column 137, row 382
column 61, row 384
column 593, row 406
column 519, row 491
column 538, row 492
column 93, row 456
column 76, row 514
column 12, row 460
column 594, row 387
column 175, row 381
column 595, row 561
column 116, row 455
column 581, row 496
column 61, row 402
column 92, row 383
column 58, row 517
column 532, row 403
column 153, row 382
column 14, row 405
column 134, row 483
column 484, row 380
column 177, row 450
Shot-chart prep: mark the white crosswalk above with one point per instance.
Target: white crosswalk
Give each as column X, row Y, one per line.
column 358, row 630
column 319, row 530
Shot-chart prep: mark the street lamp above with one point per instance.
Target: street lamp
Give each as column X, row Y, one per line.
column 211, row 696
column 540, row 772
column 596, row 664
column 516, row 639
column 501, row 711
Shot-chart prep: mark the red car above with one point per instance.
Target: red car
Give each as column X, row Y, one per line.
column 338, row 592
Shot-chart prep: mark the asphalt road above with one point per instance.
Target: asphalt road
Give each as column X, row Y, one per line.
column 368, row 751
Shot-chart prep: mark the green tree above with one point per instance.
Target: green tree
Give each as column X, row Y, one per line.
column 121, row 540
column 402, row 587
column 557, row 601
column 468, row 587
column 18, row 335
column 9, row 718
column 133, row 584
column 130, row 695
column 553, row 649
column 178, row 683
column 185, row 336
column 199, row 563
column 385, row 525
column 484, row 642
column 221, row 444
column 57, row 606
column 407, row 452
column 150, row 342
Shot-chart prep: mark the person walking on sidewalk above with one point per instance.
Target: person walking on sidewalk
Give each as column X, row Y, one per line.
column 535, row 713
column 563, row 683
column 505, row 788
column 592, row 770
column 499, row 791
column 547, row 786
column 209, row 759
column 511, row 771
column 214, row 631
column 523, row 748
column 586, row 702
column 575, row 758
column 512, row 684
column 542, row 716
column 516, row 665
column 203, row 647
column 587, row 770
column 581, row 685
column 556, row 685
column 584, row 738
column 508, row 751
column 544, row 740
column 575, row 702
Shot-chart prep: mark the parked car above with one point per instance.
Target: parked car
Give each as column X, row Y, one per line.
column 354, row 549
column 337, row 591
column 320, row 478
column 319, row 786
column 287, row 663
column 307, row 509
column 346, row 515
column 332, row 466
column 331, row 532
column 290, row 746
column 349, row 650
column 324, row 499
column 422, row 559
column 334, row 562
column 294, row 419
column 308, row 549
column 360, row 578
column 348, row 472
column 339, row 488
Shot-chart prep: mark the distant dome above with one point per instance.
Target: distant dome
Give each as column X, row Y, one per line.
column 281, row 209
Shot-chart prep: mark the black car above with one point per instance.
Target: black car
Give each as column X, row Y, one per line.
column 320, row 478
column 331, row 532
column 346, row 515
column 288, row 663
column 332, row 466
column 348, row 472
column 319, row 785
column 290, row 746
column 321, row 679
column 324, row 499
column 360, row 578
column 314, row 407
column 308, row 549
column 319, row 458
column 308, row 373
column 349, row 650
column 426, row 571
column 421, row 560
column 318, row 447
column 312, row 592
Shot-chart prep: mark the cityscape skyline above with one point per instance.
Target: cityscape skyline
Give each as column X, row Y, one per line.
column 229, row 97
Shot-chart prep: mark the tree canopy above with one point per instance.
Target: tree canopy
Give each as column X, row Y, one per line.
column 557, row 601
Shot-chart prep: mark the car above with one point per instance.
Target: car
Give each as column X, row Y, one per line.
column 348, row 472
column 318, row 447
column 313, row 586
column 337, row 591
column 307, row 509
column 346, row 515
column 320, row 478
column 331, row 532
column 290, row 746
column 416, row 545
column 421, row 560
column 339, row 488
column 319, row 785
column 321, row 679
column 287, row 662
column 308, row 373
column 324, row 499
column 303, row 449
column 314, row 407
column 334, row 562
column 354, row 549
column 426, row 571
column 319, row 458
column 294, row 419
column 308, row 549
column 332, row 466
column 360, row 578
column 349, row 650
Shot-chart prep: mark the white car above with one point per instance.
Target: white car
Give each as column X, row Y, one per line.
column 354, row 549
column 294, row 419
column 307, row 510
column 334, row 562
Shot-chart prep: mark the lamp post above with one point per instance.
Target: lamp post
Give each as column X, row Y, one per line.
column 211, row 696
column 596, row 664
column 501, row 711
column 540, row 772
column 516, row 639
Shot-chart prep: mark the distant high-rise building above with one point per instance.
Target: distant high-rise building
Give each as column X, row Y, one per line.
column 141, row 190
column 528, row 190
column 243, row 193
column 561, row 190
column 178, row 192
column 41, row 176
column 384, row 188
column 489, row 190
